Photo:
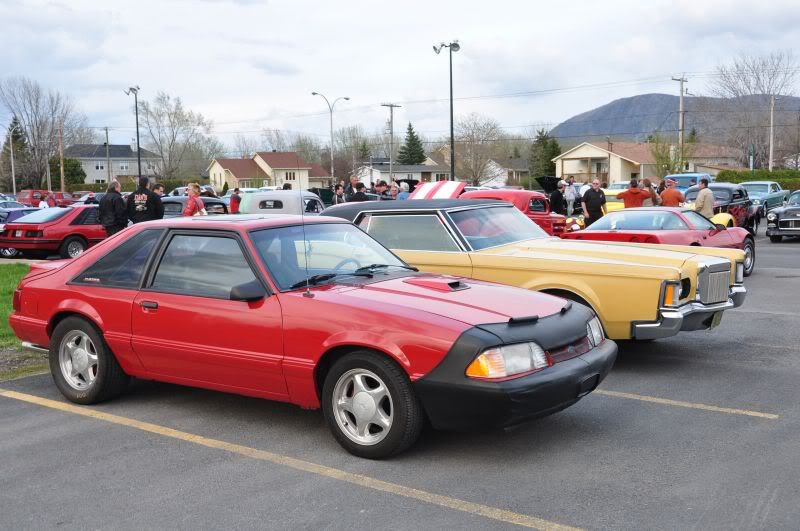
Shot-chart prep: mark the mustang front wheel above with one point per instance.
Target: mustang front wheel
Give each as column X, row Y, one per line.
column 370, row 406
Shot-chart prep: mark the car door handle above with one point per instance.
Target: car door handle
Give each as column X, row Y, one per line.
column 149, row 305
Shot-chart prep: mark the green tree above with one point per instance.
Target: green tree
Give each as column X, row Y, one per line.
column 225, row 188
column 692, row 137
column 73, row 172
column 22, row 171
column 363, row 151
column 542, row 152
column 411, row 152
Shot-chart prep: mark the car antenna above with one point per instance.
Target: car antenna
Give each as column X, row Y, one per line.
column 303, row 224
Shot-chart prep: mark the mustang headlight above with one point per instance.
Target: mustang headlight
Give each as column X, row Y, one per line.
column 739, row 272
column 772, row 216
column 671, row 293
column 594, row 329
column 508, row 360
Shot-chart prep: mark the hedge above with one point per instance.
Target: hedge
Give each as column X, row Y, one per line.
column 788, row 179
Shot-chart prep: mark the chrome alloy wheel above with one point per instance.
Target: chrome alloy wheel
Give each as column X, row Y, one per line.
column 8, row 252
column 77, row 357
column 75, row 249
column 362, row 407
column 748, row 257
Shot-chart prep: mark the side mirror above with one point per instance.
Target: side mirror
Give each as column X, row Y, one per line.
column 248, row 292
column 719, row 226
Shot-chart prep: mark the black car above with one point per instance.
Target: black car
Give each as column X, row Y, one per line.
column 731, row 199
column 174, row 205
column 7, row 215
column 785, row 220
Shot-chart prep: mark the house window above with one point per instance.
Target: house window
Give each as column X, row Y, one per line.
column 99, row 181
column 409, row 175
column 123, row 166
column 441, row 176
column 245, row 184
column 291, row 176
column 100, row 165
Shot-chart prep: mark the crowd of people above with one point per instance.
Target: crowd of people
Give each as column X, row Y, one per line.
column 590, row 200
column 355, row 191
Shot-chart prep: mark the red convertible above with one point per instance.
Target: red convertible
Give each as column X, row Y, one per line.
column 68, row 231
column 670, row 226
column 316, row 314
column 535, row 205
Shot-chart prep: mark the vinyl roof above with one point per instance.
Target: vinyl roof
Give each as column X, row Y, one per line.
column 351, row 210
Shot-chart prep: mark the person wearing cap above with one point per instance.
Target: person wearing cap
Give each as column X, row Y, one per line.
column 671, row 196
column 633, row 197
column 558, row 203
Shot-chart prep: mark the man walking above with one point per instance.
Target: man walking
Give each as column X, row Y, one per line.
column 671, row 197
column 113, row 215
column 557, row 202
column 593, row 203
column 144, row 204
column 704, row 204
column 236, row 200
column 633, row 197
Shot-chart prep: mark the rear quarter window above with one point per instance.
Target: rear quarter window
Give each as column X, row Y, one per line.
column 123, row 266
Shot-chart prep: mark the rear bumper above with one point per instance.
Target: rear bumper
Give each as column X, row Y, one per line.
column 30, row 244
column 689, row 317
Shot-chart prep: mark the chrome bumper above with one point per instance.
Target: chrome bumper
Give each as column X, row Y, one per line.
column 686, row 318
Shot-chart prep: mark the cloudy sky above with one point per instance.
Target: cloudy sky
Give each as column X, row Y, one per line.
column 251, row 64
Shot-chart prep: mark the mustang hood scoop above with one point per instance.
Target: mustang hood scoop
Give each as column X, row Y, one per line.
column 437, row 284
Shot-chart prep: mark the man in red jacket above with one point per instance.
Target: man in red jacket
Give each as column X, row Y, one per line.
column 236, row 200
column 633, row 197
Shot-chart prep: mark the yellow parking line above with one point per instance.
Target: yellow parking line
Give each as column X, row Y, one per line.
column 492, row 513
column 691, row 405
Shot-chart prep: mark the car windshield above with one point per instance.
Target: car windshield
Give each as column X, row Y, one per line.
column 44, row 215
column 638, row 220
column 756, row 189
column 493, row 226
column 720, row 194
column 794, row 199
column 684, row 181
column 293, row 254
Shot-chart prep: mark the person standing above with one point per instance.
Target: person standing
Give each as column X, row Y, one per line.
column 651, row 197
column 286, row 186
column 403, row 195
column 338, row 195
column 632, row 197
column 380, row 189
column 360, row 194
column 350, row 189
column 394, row 191
column 570, row 195
column 43, row 201
column 236, row 200
column 113, row 212
column 158, row 189
column 704, row 204
column 144, row 204
column 558, row 203
column 194, row 205
column 593, row 203
column 671, row 196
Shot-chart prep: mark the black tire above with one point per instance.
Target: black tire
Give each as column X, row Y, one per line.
column 408, row 417
column 750, row 245
column 71, row 243
column 776, row 238
column 9, row 252
column 110, row 379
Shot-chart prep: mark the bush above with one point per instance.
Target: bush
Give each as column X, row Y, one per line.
column 788, row 179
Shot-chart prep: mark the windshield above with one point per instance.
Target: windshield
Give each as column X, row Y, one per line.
column 684, row 181
column 638, row 220
column 493, row 226
column 329, row 248
column 720, row 194
column 44, row 215
column 756, row 189
column 794, row 199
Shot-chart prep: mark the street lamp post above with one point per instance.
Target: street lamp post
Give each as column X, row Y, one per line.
column 330, row 109
column 135, row 90
column 453, row 47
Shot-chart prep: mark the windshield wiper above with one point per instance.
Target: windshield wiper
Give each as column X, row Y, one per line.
column 373, row 267
column 312, row 280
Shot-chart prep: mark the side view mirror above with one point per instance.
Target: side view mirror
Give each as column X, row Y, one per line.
column 248, row 292
column 719, row 226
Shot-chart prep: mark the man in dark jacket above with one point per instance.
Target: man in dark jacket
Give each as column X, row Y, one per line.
column 144, row 204
column 113, row 215
column 557, row 202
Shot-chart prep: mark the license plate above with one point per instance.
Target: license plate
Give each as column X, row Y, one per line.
column 18, row 233
column 716, row 320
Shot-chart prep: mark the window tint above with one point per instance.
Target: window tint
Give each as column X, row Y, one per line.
column 638, row 220
column 205, row 266
column 537, row 205
column 88, row 217
column 417, row 233
column 44, row 215
column 122, row 267
column 313, row 206
column 492, row 226
column 698, row 220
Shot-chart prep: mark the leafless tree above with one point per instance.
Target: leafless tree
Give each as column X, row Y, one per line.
column 477, row 143
column 244, row 146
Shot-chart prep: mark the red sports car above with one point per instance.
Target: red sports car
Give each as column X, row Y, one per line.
column 319, row 315
column 535, row 205
column 66, row 230
column 671, row 226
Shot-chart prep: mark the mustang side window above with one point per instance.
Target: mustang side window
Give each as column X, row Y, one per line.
column 122, row 267
column 204, row 266
column 413, row 233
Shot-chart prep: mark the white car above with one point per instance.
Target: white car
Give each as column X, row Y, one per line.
column 282, row 202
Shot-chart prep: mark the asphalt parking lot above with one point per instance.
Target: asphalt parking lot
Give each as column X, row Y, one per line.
column 698, row 431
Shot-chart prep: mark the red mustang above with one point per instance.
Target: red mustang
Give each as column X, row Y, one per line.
column 65, row 230
column 319, row 315
column 671, row 226
column 535, row 205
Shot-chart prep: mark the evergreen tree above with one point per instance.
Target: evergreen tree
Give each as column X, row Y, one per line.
column 73, row 172
column 411, row 152
column 692, row 138
column 21, row 157
column 516, row 154
column 363, row 151
column 542, row 152
column 225, row 188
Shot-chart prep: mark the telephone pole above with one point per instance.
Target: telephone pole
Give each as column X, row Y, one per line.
column 392, row 107
column 771, row 128
column 61, row 152
column 108, row 158
column 681, row 113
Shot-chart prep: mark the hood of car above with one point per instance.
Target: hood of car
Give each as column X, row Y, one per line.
column 470, row 301
column 787, row 211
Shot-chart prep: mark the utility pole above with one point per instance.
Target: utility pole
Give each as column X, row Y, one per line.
column 392, row 107
column 771, row 128
column 682, row 80
column 61, row 152
column 108, row 158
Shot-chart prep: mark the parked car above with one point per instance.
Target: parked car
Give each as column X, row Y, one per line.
column 90, row 198
column 766, row 195
column 684, row 181
column 731, row 199
column 174, row 205
column 5, row 205
column 281, row 202
column 34, row 197
column 459, row 354
column 637, row 291
column 7, row 215
column 535, row 205
column 68, row 231
column 785, row 220
column 668, row 226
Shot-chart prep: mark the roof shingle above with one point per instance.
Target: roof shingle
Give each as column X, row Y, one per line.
column 95, row 151
column 242, row 168
column 284, row 160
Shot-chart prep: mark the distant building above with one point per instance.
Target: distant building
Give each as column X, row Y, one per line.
column 379, row 171
column 121, row 158
column 506, row 171
column 238, row 173
column 267, row 168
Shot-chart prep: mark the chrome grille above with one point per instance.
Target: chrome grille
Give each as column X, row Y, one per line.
column 789, row 224
column 715, row 287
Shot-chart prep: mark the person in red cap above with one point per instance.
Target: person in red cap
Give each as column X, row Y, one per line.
column 633, row 197
column 671, row 197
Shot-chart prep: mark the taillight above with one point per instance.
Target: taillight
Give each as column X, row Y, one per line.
column 651, row 239
column 16, row 303
column 34, row 234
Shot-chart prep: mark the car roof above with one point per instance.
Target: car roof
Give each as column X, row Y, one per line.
column 719, row 186
column 759, row 182
column 240, row 221
column 351, row 210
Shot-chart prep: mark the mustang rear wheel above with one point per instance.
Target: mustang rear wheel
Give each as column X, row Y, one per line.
column 370, row 407
column 749, row 249
column 72, row 247
column 83, row 367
